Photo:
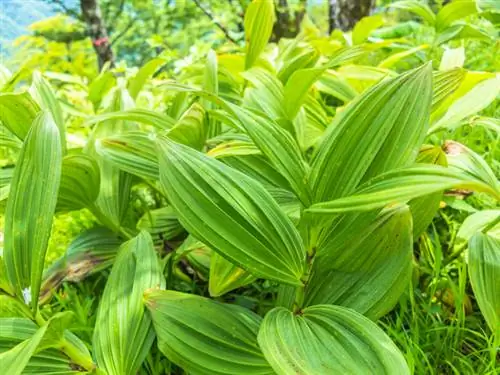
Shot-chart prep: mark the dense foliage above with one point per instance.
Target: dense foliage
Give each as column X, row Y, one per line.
column 317, row 204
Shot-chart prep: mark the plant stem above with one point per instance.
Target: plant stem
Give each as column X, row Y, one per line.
column 76, row 356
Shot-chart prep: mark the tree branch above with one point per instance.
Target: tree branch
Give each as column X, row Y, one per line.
column 210, row 15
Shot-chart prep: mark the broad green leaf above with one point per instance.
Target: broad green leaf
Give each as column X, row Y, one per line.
column 368, row 272
column 266, row 93
column 470, row 164
column 424, row 209
column 132, row 152
column 44, row 94
column 143, row 116
column 327, row 339
column 161, row 223
column 444, row 84
column 197, row 253
column 484, row 271
column 461, row 31
column 8, row 139
column 454, row 11
column 233, row 148
column 364, row 27
column 333, row 84
column 17, row 112
column 478, row 222
column 11, row 307
column 30, row 207
column 378, row 131
column 90, row 252
column 191, row 128
column 279, row 147
column 100, row 86
column 390, row 61
column 136, row 83
column 418, row 7
column 452, row 58
column 206, row 337
column 258, row 24
column 478, row 98
column 15, row 360
column 124, row 334
column 211, row 84
column 80, row 180
column 231, row 213
column 225, row 276
column 400, row 186
column 298, row 57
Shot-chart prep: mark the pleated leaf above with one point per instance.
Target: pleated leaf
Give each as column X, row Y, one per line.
column 132, row 152
column 258, row 24
column 444, row 84
column 31, row 206
column 91, row 251
column 80, row 182
column 454, row 11
column 231, row 213
column 327, row 339
column 161, row 223
column 418, row 7
column 402, row 185
column 279, row 147
column 206, row 337
column 44, row 94
column 143, row 116
column 379, row 130
column 367, row 272
column 191, row 129
column 124, row 334
column 225, row 276
column 17, row 112
column 484, row 271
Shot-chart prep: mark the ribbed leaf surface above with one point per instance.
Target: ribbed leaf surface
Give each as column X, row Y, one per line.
column 225, row 276
column 327, row 339
column 124, row 334
column 206, row 337
column 30, row 207
column 17, row 112
column 258, row 23
column 231, row 213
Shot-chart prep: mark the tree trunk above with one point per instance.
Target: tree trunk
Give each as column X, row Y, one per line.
column 343, row 14
column 91, row 13
column 285, row 26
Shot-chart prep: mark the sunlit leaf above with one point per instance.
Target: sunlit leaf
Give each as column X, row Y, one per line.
column 225, row 276
column 258, row 23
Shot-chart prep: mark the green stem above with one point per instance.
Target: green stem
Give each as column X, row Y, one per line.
column 76, row 356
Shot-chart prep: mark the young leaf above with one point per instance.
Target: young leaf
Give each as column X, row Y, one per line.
column 484, row 271
column 161, row 223
column 30, row 207
column 418, row 7
column 364, row 27
column 191, row 129
column 327, row 339
column 231, row 213
column 368, row 272
column 225, row 276
column 444, row 84
column 454, row 11
column 401, row 185
column 144, row 116
column 136, row 83
column 17, row 112
column 204, row 336
column 80, row 181
column 258, row 24
column 124, row 334
column 380, row 130
column 44, row 94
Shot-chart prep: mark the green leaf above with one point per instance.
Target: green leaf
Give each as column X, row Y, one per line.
column 90, row 252
column 231, row 213
column 461, row 31
column 161, row 223
column 454, row 11
column 80, row 181
column 266, row 93
column 478, row 222
column 124, row 334
column 327, row 339
column 31, row 206
column 44, row 94
column 368, row 272
column 100, row 86
column 400, row 186
column 452, row 58
column 484, row 271
column 144, row 116
column 225, row 276
column 17, row 112
column 474, row 101
column 136, row 83
column 419, row 8
column 364, row 27
column 132, row 152
column 191, row 128
column 211, row 84
column 279, row 147
column 233, row 148
column 11, row 307
column 258, row 24
column 444, row 84
column 335, row 85
column 379, row 130
column 206, row 337
column 390, row 61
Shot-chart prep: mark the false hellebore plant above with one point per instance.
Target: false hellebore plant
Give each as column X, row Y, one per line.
column 328, row 217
